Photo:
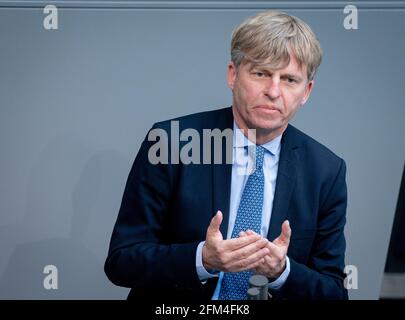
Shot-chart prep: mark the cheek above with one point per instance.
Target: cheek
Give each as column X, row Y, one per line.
column 292, row 103
column 249, row 94
column 241, row 97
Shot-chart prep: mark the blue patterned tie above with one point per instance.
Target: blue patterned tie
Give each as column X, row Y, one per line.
column 249, row 216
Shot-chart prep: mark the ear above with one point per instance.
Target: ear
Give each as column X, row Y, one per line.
column 231, row 74
column 308, row 90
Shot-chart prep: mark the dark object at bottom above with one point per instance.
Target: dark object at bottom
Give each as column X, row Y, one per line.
column 260, row 283
column 253, row 293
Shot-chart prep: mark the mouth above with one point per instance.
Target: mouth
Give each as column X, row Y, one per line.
column 267, row 108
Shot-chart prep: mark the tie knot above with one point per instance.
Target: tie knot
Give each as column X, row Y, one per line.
column 257, row 154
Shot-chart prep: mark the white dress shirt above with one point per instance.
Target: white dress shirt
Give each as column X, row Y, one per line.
column 239, row 178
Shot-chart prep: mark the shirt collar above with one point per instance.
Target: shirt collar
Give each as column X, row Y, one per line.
column 240, row 141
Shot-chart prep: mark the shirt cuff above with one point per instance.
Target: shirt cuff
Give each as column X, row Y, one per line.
column 278, row 283
column 202, row 273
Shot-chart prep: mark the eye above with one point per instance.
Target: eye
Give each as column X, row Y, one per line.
column 260, row 74
column 291, row 80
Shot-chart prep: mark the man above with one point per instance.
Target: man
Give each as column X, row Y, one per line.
column 198, row 231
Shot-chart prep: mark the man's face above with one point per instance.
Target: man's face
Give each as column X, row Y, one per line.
column 266, row 99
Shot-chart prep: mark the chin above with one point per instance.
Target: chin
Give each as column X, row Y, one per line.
column 261, row 124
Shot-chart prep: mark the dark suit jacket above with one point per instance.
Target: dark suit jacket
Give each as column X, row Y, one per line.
column 166, row 209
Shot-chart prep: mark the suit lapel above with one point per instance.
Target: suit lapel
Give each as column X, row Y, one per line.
column 221, row 176
column 286, row 176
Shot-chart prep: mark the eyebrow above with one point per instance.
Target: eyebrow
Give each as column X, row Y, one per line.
column 290, row 75
column 270, row 70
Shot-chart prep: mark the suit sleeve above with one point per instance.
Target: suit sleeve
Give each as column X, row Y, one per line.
column 138, row 255
column 323, row 276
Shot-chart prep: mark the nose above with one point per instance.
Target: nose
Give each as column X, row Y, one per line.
column 272, row 89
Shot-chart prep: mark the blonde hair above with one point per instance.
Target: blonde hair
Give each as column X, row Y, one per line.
column 270, row 37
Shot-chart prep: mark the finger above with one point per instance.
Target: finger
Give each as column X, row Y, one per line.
column 284, row 238
column 286, row 232
column 251, row 232
column 247, row 232
column 253, row 261
column 275, row 265
column 237, row 243
column 274, row 248
column 276, row 253
column 215, row 222
column 267, row 260
column 257, row 267
column 249, row 250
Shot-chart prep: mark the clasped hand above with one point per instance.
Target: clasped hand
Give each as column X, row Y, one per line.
column 249, row 251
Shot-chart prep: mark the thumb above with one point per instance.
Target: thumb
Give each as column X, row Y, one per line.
column 215, row 223
column 284, row 238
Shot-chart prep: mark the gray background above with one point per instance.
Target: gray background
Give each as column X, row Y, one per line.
column 75, row 104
